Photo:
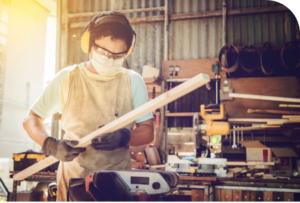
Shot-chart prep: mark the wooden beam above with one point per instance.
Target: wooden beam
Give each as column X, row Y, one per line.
column 163, row 99
column 197, row 15
column 254, row 120
column 269, row 111
column 289, row 105
column 166, row 31
column 91, row 14
column 262, row 97
column 254, row 128
column 147, row 19
column 232, row 163
column 291, row 116
column 182, row 114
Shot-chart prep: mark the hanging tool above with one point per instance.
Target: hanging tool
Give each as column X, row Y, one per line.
column 171, row 69
column 217, row 69
column 234, row 139
column 230, row 138
column 252, row 136
column 177, row 69
column 157, row 110
column 238, row 138
column 242, row 137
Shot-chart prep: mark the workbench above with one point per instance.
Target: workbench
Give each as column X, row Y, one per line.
column 45, row 177
column 236, row 189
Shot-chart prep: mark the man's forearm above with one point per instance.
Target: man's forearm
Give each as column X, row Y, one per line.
column 143, row 134
column 35, row 128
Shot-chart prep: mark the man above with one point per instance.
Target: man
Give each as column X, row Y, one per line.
column 90, row 95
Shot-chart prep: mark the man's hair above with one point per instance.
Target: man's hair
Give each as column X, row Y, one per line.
column 114, row 29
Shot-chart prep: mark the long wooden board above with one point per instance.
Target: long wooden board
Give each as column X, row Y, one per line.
column 289, row 105
column 254, row 120
column 180, row 90
column 268, row 86
column 263, row 97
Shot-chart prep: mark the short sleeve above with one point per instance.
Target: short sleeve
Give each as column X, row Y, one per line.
column 49, row 101
column 139, row 94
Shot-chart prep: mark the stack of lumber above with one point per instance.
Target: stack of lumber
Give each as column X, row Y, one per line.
column 243, row 172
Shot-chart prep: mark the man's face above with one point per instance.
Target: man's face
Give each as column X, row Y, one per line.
column 111, row 45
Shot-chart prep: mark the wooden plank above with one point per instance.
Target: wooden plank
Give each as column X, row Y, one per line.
column 124, row 120
column 237, row 163
column 208, row 179
column 217, row 195
column 257, row 127
column 166, row 31
column 226, row 195
column 196, row 15
column 271, row 86
column 263, row 97
column 197, row 195
column 236, row 195
column 291, row 116
column 206, row 194
column 211, row 196
column 254, row 120
column 289, row 105
column 273, row 111
column 183, row 114
column 268, row 196
column 288, row 196
column 245, row 196
column 189, row 68
column 91, row 14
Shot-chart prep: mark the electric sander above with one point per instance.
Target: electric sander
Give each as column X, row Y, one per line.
column 122, row 185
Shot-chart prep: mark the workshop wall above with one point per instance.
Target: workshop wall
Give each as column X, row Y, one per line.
column 188, row 39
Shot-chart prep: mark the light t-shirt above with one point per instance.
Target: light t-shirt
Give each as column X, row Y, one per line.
column 55, row 94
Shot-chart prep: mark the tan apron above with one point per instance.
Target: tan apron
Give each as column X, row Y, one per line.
column 93, row 103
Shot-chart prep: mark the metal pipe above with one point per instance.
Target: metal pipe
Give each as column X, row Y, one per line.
column 166, row 50
column 224, row 23
column 217, row 89
column 161, row 125
column 198, row 15
column 191, row 186
column 89, row 14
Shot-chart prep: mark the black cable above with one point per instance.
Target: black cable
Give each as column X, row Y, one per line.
column 68, row 194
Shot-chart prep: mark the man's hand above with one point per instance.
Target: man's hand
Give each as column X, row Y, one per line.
column 63, row 150
column 111, row 141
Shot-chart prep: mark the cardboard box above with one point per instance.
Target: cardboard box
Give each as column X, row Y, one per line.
column 257, row 152
column 149, row 71
column 282, row 158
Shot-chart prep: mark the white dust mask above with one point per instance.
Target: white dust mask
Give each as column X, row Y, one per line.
column 105, row 66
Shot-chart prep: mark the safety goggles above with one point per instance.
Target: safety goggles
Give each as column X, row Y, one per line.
column 109, row 54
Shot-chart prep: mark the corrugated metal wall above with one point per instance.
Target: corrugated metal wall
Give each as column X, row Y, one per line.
column 188, row 39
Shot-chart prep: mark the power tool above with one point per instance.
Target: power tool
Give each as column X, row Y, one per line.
column 207, row 126
column 121, row 185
